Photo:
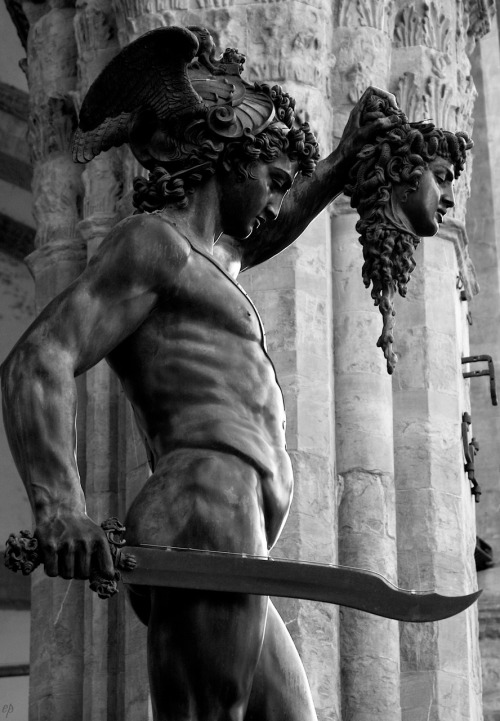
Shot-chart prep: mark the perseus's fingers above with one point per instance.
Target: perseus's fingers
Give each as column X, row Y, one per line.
column 374, row 90
column 82, row 561
column 386, row 123
column 50, row 560
column 103, row 560
column 375, row 115
column 66, row 565
column 380, row 126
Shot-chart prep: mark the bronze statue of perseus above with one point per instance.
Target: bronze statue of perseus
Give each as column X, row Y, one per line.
column 233, row 180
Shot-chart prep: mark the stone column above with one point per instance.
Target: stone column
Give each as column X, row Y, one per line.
column 483, row 216
column 115, row 685
column 56, row 671
column 440, row 676
column 290, row 44
column 363, row 407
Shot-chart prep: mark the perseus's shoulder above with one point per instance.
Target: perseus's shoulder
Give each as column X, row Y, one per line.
column 143, row 247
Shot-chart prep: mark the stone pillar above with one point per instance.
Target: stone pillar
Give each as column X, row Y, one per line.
column 440, row 675
column 115, row 685
column 56, row 671
column 363, row 407
column 289, row 43
column 483, row 216
column 293, row 292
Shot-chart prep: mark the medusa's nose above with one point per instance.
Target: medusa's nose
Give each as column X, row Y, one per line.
column 448, row 195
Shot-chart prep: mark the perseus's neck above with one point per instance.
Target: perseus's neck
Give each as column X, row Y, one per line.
column 229, row 254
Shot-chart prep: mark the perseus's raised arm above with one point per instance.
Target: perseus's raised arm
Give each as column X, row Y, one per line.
column 310, row 195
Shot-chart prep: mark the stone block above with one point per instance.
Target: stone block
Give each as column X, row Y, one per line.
column 363, row 58
column 318, row 645
column 435, row 695
column 364, row 422
column 429, row 359
column 310, row 533
column 314, row 421
column 428, row 450
column 313, row 319
column 439, row 256
column 355, row 342
column 52, row 37
column 277, row 274
column 440, row 288
column 374, row 673
column 431, row 520
column 279, row 315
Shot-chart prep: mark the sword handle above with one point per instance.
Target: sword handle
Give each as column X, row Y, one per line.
column 22, row 554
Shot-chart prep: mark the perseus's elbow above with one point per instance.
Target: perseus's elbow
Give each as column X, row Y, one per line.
column 24, row 365
column 10, row 372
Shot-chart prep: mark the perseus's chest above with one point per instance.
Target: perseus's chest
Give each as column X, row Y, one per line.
column 207, row 293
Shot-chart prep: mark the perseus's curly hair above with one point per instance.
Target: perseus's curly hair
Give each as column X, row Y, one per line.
column 399, row 156
column 194, row 157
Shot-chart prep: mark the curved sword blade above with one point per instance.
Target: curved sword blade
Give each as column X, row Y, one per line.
column 363, row 590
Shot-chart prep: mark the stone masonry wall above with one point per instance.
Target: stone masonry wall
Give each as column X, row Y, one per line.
column 483, row 228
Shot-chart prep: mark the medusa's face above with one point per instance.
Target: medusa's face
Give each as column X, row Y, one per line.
column 423, row 209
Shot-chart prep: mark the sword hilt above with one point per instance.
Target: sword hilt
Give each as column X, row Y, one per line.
column 22, row 554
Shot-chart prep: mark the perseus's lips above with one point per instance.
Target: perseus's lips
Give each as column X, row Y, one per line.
column 440, row 215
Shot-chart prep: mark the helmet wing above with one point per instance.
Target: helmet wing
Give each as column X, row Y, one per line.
column 150, row 73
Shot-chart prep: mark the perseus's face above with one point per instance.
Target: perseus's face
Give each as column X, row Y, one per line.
column 247, row 204
column 423, row 209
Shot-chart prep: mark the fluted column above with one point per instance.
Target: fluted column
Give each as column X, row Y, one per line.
column 290, row 44
column 115, row 685
column 484, row 233
column 56, row 670
column 435, row 509
column 363, row 408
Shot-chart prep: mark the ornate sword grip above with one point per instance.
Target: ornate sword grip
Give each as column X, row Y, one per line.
column 21, row 554
column 114, row 530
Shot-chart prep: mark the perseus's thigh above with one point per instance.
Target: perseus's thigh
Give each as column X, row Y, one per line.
column 199, row 498
column 280, row 690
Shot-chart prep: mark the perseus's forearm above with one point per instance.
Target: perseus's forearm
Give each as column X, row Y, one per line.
column 309, row 196
column 39, row 407
column 306, row 199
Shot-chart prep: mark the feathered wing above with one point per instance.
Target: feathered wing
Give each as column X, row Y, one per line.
column 150, row 73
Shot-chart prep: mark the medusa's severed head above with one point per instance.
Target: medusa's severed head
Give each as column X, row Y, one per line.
column 401, row 186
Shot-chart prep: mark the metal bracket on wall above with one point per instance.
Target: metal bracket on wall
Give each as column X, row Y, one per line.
column 490, row 372
column 470, row 450
column 483, row 555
